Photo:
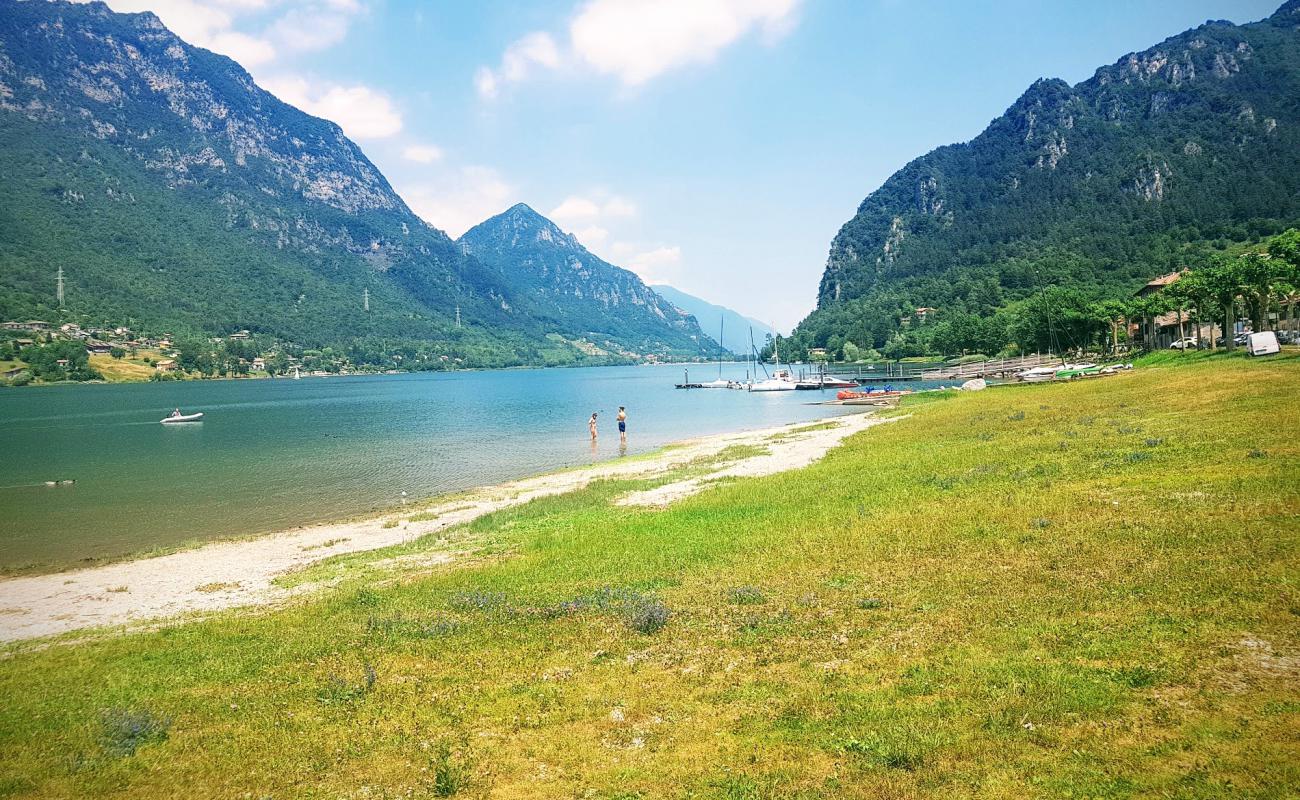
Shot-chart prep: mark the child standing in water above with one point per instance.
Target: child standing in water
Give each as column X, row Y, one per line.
column 622, row 424
column 591, row 426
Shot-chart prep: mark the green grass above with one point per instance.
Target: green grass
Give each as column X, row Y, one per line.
column 1060, row 590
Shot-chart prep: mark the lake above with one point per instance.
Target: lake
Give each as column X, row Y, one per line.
column 273, row 454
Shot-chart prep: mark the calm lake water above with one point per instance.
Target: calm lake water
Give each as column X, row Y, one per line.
column 272, row 454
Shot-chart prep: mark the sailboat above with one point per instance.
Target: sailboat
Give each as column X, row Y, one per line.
column 719, row 383
column 780, row 381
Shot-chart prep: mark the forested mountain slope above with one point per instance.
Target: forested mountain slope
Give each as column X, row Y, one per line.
column 568, row 288
column 177, row 195
column 1098, row 186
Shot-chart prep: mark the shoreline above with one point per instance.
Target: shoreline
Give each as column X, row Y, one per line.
column 244, row 572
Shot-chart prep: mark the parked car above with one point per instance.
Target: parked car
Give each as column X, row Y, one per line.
column 1288, row 337
column 1241, row 339
column 1190, row 343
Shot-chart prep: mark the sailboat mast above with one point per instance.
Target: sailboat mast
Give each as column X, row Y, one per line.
column 722, row 324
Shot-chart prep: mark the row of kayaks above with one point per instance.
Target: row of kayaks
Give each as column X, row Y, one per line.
column 780, row 381
column 877, row 397
column 1066, row 372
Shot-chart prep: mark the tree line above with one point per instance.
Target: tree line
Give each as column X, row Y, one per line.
column 1223, row 289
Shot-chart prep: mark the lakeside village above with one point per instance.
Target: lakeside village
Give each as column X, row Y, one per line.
column 36, row 352
column 1183, row 311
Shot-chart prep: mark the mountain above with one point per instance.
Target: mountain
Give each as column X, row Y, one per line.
column 1194, row 143
column 735, row 331
column 567, row 288
column 179, row 196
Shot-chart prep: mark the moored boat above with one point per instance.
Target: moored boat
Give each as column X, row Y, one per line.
column 847, row 394
column 779, row 382
column 824, row 382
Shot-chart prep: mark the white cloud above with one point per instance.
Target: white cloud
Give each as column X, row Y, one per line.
column 308, row 29
column 249, row 51
column 519, row 61
column 637, row 40
column 362, row 112
column 485, row 81
column 422, row 153
column 305, row 25
column 576, row 208
column 592, row 236
column 619, row 207
column 660, row 264
column 206, row 24
column 460, row 199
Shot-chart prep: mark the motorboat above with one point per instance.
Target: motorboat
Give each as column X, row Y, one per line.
column 1081, row 369
column 1037, row 374
column 825, row 382
column 781, row 381
column 175, row 418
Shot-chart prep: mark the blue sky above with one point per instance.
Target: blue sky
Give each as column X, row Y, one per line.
column 716, row 145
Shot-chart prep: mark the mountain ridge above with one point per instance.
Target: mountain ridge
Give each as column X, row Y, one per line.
column 735, row 332
column 567, row 286
column 180, row 196
column 1098, row 185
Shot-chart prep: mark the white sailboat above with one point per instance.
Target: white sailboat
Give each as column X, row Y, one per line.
column 719, row 383
column 780, row 381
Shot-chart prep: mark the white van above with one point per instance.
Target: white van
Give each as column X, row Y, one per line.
column 1262, row 344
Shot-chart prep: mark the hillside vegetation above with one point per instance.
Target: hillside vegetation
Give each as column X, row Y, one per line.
column 1162, row 160
column 1068, row 590
column 180, row 197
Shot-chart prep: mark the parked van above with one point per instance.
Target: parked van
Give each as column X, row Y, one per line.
column 1262, row 344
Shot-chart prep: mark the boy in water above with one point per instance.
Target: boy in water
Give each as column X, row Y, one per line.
column 622, row 424
column 591, row 426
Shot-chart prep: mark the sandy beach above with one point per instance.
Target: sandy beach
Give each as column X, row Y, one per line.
column 242, row 573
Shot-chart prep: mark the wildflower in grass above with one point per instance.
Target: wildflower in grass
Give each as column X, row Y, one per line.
column 746, row 595
column 125, row 730
column 479, row 601
column 648, row 617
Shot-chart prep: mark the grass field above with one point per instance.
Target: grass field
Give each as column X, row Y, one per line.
column 122, row 370
column 1067, row 590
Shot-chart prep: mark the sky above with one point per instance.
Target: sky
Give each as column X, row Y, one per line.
column 714, row 145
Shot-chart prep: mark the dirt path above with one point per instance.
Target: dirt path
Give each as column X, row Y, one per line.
column 228, row 574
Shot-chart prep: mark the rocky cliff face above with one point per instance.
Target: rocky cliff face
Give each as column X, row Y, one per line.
column 1195, row 139
column 573, row 290
column 185, row 195
column 179, row 193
